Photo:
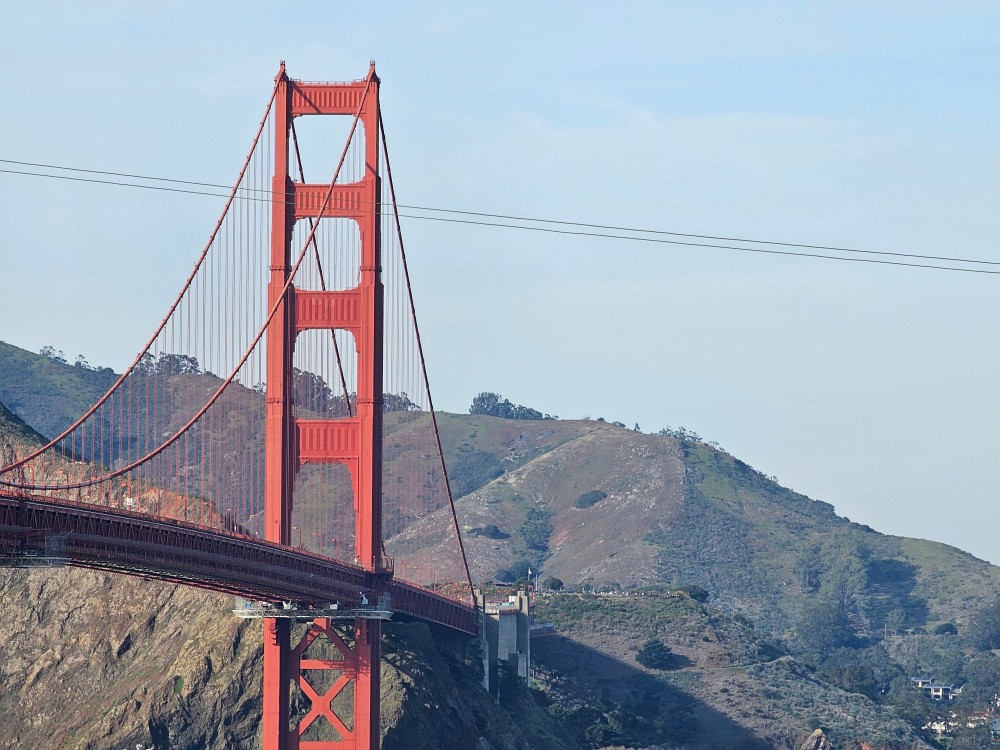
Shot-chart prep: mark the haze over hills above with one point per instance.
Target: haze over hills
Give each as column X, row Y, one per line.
column 786, row 597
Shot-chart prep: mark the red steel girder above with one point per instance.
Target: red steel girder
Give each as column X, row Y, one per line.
column 309, row 98
column 115, row 540
column 355, row 442
column 138, row 544
column 346, row 201
column 329, row 310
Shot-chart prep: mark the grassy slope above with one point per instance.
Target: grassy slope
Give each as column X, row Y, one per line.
column 46, row 393
column 681, row 512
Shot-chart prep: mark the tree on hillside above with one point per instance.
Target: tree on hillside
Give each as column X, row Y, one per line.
column 984, row 629
column 168, row 364
column 894, row 620
column 53, row 354
column 980, row 676
column 398, row 402
column 823, row 627
column 516, row 572
column 655, row 654
column 552, row 584
column 868, row 671
column 310, row 391
column 910, row 703
column 177, row 364
column 839, row 610
column 494, row 405
column 588, row 499
column 845, row 585
column 486, row 403
column 809, row 568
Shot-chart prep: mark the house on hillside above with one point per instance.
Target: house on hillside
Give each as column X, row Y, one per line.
column 939, row 692
column 936, row 690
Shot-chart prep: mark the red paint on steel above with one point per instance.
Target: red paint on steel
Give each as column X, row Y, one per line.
column 278, row 420
column 139, row 544
column 354, row 442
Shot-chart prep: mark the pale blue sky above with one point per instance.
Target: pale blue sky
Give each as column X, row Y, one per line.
column 873, row 125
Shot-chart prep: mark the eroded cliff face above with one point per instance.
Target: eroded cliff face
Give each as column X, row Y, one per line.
column 93, row 661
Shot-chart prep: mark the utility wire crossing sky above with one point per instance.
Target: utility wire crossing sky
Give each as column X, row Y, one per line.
column 264, row 196
column 848, row 125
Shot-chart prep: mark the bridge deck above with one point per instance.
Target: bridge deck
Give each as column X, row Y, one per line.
column 138, row 544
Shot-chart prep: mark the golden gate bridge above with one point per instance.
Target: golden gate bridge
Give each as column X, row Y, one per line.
column 242, row 450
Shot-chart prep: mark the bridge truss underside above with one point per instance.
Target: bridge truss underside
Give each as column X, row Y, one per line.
column 81, row 535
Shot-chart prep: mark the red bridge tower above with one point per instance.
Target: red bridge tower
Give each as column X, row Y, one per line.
column 355, row 441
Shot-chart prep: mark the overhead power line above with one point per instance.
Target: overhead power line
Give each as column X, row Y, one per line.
column 763, row 250
column 574, row 228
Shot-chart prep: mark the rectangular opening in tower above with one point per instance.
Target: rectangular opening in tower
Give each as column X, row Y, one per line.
column 323, row 514
column 332, row 260
column 321, row 143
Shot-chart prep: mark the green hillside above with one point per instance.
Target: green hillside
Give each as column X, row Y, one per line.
column 46, row 391
column 803, row 619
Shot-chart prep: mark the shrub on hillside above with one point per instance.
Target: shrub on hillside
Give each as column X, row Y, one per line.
column 536, row 530
column 516, row 572
column 490, row 532
column 589, row 499
column 694, row 591
column 655, row 654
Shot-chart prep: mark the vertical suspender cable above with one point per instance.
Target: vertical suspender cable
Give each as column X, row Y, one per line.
column 423, row 363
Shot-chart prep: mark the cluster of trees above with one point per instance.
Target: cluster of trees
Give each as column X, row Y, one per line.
column 839, row 610
column 984, row 629
column 52, row 353
column 495, row 405
column 838, row 629
column 56, row 355
column 311, row 391
column 168, row 364
column 469, row 469
column 516, row 573
column 681, row 433
column 535, row 530
column 871, row 672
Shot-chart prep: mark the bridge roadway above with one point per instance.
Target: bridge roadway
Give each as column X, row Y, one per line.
column 123, row 541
